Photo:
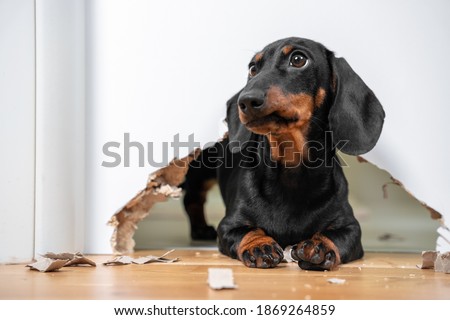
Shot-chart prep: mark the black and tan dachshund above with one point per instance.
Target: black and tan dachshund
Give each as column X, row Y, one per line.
column 278, row 171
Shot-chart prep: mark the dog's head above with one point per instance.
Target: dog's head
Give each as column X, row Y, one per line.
column 294, row 82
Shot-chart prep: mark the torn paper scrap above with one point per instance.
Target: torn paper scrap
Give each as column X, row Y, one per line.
column 428, row 258
column 161, row 185
column 442, row 263
column 47, row 265
column 221, row 278
column 336, row 281
column 75, row 259
column 148, row 259
column 119, row 261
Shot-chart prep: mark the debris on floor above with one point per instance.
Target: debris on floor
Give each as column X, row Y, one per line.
column 428, row 258
column 47, row 265
column 75, row 259
column 123, row 260
column 221, row 278
column 119, row 261
column 434, row 259
column 287, row 252
column 442, row 263
column 54, row 261
column 336, row 281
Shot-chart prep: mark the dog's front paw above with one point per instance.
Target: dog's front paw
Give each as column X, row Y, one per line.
column 318, row 253
column 257, row 250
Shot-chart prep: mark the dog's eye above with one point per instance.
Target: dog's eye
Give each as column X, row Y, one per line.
column 298, row 60
column 252, row 70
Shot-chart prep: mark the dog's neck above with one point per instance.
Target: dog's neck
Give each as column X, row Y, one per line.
column 297, row 149
column 288, row 149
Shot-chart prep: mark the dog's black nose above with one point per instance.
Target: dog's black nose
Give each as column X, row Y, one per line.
column 251, row 100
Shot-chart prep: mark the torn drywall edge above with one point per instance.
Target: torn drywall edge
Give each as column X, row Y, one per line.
column 161, row 185
column 433, row 213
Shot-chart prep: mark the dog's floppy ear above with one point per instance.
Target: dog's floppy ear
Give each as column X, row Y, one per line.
column 356, row 115
column 238, row 134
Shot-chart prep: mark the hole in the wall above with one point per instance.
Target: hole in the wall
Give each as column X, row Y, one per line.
column 167, row 226
column 396, row 223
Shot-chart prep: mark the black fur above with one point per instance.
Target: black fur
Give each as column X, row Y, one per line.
column 271, row 204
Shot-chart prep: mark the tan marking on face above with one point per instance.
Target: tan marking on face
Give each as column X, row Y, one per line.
column 252, row 239
column 288, row 148
column 287, row 140
column 259, row 56
column 320, row 97
column 287, row 49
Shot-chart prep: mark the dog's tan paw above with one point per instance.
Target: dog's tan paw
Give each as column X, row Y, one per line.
column 318, row 253
column 257, row 250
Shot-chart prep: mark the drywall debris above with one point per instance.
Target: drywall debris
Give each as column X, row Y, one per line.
column 221, row 278
column 161, row 185
column 428, row 258
column 123, row 260
column 54, row 261
column 74, row 259
column 119, row 261
column 287, row 253
column 336, row 280
column 442, row 263
column 434, row 259
column 47, row 265
column 148, row 259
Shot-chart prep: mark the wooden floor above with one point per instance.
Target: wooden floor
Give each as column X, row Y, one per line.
column 377, row 276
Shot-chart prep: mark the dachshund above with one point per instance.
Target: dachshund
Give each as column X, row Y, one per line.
column 278, row 170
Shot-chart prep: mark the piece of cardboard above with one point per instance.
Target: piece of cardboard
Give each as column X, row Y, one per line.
column 74, row 259
column 119, row 261
column 47, row 264
column 123, row 260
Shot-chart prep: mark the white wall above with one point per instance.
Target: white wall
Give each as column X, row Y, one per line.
column 17, row 128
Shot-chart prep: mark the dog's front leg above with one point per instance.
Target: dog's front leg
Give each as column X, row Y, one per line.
column 250, row 245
